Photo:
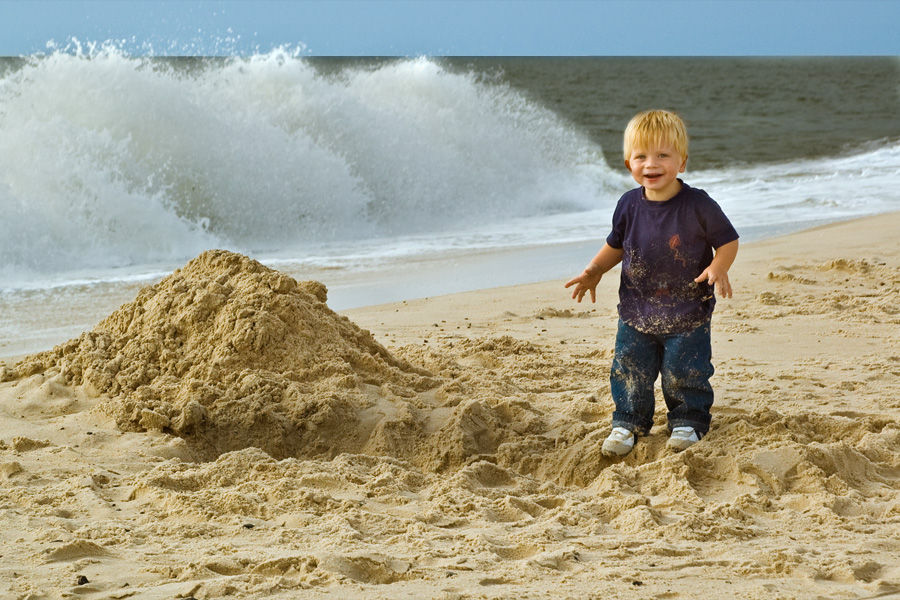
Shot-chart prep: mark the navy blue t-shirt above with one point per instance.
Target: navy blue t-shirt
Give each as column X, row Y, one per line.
column 666, row 246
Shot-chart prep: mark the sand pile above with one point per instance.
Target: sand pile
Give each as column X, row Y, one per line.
column 228, row 353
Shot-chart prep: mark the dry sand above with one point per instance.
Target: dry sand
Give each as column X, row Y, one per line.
column 228, row 435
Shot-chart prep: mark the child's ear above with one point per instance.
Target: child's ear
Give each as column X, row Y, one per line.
column 683, row 165
column 627, row 164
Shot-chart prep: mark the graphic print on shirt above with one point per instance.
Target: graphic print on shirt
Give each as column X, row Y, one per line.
column 674, row 243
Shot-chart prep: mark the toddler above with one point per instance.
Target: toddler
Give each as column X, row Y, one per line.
column 676, row 246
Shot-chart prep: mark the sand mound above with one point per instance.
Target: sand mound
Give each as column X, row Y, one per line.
column 229, row 354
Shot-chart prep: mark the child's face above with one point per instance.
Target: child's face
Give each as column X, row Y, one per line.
column 656, row 168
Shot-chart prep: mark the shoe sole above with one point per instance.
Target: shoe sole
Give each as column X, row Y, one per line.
column 680, row 445
column 615, row 450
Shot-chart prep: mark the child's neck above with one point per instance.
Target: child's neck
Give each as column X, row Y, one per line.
column 664, row 194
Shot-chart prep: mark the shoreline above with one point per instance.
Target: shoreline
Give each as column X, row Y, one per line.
column 780, row 247
column 408, row 281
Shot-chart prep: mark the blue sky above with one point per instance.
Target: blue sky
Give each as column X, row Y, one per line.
column 460, row 27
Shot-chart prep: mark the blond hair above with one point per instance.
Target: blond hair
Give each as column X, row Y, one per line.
column 656, row 127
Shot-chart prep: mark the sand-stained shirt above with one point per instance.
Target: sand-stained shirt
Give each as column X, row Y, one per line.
column 666, row 246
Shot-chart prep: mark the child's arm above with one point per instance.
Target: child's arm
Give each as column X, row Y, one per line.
column 606, row 259
column 717, row 272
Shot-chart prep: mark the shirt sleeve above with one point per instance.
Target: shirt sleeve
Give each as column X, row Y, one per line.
column 616, row 238
column 719, row 230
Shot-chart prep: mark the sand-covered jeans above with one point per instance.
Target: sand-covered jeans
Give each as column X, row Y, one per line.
column 685, row 362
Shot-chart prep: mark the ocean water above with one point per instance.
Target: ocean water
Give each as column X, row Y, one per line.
column 390, row 179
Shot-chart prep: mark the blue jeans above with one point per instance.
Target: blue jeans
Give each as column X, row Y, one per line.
column 685, row 362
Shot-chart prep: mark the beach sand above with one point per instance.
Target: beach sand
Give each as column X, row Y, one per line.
column 228, row 435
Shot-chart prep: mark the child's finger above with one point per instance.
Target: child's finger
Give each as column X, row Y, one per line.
column 723, row 287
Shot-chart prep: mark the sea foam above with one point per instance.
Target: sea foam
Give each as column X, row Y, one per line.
column 109, row 160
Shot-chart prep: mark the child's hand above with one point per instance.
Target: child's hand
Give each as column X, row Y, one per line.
column 586, row 282
column 717, row 272
column 716, row 277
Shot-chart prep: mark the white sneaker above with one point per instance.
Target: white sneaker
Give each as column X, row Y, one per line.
column 682, row 438
column 619, row 443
